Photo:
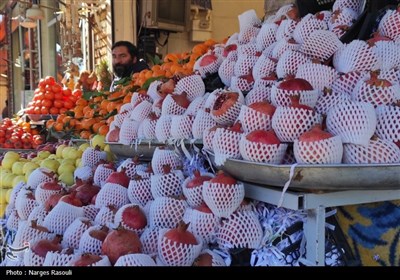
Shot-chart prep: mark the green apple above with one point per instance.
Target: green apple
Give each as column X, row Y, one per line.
column 17, row 168
column 7, row 163
column 83, row 146
column 12, row 155
column 68, row 161
column 73, row 153
column 43, row 154
column 51, row 164
column 66, row 167
column 29, row 166
column 67, row 178
column 17, row 179
column 59, row 150
column 78, row 162
column 3, row 196
column 98, row 140
column 8, row 195
column 7, row 180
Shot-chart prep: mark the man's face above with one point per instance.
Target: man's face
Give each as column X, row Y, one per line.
column 122, row 61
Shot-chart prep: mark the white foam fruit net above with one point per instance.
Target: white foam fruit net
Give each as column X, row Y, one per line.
column 318, row 75
column 261, row 91
column 131, row 166
column 203, row 225
column 345, row 83
column 170, row 107
column 106, row 215
column 355, row 56
column 74, row 231
column 226, row 71
column 101, row 174
column 129, row 131
column 194, row 196
column 289, row 62
column 210, row 99
column 177, row 254
column 264, row 67
column 196, row 105
column 328, row 99
column 135, row 260
column 181, row 127
column 38, row 176
column 139, row 97
column 127, row 107
column 357, row 5
column 84, row 173
column 248, row 33
column 388, row 53
column 241, row 230
column 217, row 260
column 388, row 123
column 24, row 205
column 248, row 49
column 118, row 219
column 253, row 120
column 229, row 117
column 193, row 85
column 163, row 128
column 41, row 195
column 377, row 151
column 327, row 151
column 312, row 45
column 211, row 68
column 375, row 95
column 223, row 199
column 388, row 24
column 225, row 145
column 166, row 212
column 285, row 30
column 112, row 194
column 104, row 261
column 57, row 259
column 26, row 233
column 89, row 244
column 354, row 122
column 148, row 129
column 308, row 24
column 163, row 157
column 12, row 221
column 208, row 136
column 38, row 214
column 149, row 239
column 202, row 121
column 281, row 46
column 61, row 216
column 266, row 36
column 32, row 259
column 167, row 184
column 289, row 122
column 141, row 111
column 242, row 84
column 260, row 152
column 90, row 211
column 244, row 65
column 92, row 157
column 281, row 97
column 139, row 191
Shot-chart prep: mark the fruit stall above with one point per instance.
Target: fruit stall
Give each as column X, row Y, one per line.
column 235, row 153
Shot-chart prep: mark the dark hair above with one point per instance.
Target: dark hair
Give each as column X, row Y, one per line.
column 131, row 47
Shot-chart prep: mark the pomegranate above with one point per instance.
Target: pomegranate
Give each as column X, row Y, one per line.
column 197, row 180
column 203, row 208
column 293, row 13
column 267, row 137
column 51, row 186
column 99, row 234
column 86, row 192
column 295, row 84
column 208, row 59
column 224, row 102
column 375, row 81
column 134, row 218
column 38, row 227
column 166, row 88
column 119, row 177
column 263, row 107
column 236, row 127
column 120, row 242
column 223, row 178
column 86, row 260
column 52, row 201
column 71, row 199
column 228, row 49
column 181, row 99
column 271, row 77
column 295, row 99
column 377, row 37
column 248, row 77
column 78, row 182
column 205, row 259
column 180, row 235
column 315, row 134
column 113, row 135
column 41, row 247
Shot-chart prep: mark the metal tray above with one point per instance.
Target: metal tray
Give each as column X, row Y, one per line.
column 144, row 148
column 333, row 177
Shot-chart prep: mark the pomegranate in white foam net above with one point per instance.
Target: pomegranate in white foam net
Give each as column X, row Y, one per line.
column 86, row 260
column 119, row 178
column 86, row 192
column 41, row 247
column 197, row 180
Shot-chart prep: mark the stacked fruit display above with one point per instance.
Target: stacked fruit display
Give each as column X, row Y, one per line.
column 18, row 134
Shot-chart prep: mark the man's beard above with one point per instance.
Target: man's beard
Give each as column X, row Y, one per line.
column 122, row 70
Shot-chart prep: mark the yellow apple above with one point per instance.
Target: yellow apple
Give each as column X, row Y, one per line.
column 17, row 168
column 83, row 146
column 51, row 164
column 66, row 167
column 98, row 140
column 59, row 150
column 43, row 154
column 67, row 178
column 29, row 166
column 17, row 179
